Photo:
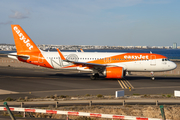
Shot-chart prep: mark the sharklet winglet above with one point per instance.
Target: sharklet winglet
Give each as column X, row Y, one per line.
column 82, row 50
column 61, row 55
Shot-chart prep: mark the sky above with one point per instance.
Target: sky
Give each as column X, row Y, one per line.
column 93, row 22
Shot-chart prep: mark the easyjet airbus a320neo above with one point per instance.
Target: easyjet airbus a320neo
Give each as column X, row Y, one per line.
column 111, row 65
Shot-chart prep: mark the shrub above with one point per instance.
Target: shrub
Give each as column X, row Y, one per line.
column 20, row 98
column 145, row 95
column 8, row 99
column 87, row 94
column 99, row 95
column 168, row 95
column 62, row 96
column 52, row 96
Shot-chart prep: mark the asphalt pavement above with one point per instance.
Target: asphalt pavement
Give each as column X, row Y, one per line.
column 21, row 82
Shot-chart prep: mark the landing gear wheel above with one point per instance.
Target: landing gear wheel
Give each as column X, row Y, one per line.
column 93, row 77
column 97, row 75
column 153, row 78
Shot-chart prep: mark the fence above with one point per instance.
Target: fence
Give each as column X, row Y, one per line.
column 97, row 102
column 74, row 113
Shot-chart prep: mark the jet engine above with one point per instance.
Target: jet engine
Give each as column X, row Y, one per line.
column 114, row 72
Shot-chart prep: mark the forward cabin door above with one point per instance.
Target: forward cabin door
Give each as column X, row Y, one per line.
column 153, row 60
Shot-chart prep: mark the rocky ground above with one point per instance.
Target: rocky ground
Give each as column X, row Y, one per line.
column 149, row 111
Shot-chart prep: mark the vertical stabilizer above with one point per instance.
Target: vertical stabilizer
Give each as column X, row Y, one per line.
column 22, row 41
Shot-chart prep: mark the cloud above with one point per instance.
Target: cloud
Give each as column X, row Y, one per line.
column 95, row 5
column 6, row 23
column 19, row 15
column 99, row 5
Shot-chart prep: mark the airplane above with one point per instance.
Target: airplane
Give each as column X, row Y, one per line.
column 110, row 65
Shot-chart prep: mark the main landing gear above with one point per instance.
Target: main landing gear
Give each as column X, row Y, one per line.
column 94, row 76
column 152, row 76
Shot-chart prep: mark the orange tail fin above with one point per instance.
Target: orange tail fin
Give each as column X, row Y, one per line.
column 22, row 41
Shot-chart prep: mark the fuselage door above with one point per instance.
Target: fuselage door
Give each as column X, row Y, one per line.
column 153, row 60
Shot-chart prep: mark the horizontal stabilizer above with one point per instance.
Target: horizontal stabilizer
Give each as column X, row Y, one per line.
column 14, row 55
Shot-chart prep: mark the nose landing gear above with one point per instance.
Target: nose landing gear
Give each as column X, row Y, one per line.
column 152, row 76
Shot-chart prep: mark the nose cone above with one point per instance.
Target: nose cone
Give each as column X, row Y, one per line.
column 173, row 65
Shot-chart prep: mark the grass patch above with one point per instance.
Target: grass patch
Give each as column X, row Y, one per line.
column 136, row 94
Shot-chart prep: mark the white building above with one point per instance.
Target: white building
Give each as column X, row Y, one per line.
column 174, row 46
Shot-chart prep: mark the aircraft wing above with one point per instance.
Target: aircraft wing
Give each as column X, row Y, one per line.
column 85, row 64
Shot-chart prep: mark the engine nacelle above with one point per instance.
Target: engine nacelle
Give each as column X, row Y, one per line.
column 114, row 72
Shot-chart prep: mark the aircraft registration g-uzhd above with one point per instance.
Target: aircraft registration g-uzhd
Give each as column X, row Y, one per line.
column 110, row 65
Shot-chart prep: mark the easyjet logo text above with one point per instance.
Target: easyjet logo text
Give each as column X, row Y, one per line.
column 21, row 37
column 136, row 57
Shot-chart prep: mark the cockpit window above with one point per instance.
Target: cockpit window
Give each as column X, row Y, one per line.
column 164, row 59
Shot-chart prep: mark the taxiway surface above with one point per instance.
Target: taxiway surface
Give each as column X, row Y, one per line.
column 21, row 82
